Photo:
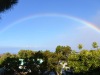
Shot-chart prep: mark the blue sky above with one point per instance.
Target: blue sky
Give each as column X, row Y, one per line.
column 46, row 32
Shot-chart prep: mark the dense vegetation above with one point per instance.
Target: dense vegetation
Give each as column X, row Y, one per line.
column 6, row 4
column 86, row 62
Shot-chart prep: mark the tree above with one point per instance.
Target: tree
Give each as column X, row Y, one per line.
column 65, row 50
column 6, row 4
column 58, row 49
column 85, row 61
column 95, row 45
column 10, row 59
column 80, row 46
column 26, row 54
column 5, row 59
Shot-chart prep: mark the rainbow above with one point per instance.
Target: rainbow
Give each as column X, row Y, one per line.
column 90, row 25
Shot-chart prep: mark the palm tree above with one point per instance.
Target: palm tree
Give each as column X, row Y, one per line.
column 95, row 45
column 80, row 46
column 6, row 4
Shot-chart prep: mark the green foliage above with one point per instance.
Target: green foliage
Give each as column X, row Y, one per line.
column 26, row 54
column 38, row 54
column 9, row 59
column 5, row 58
column 63, row 52
column 63, row 49
column 95, row 45
column 6, row 4
column 84, row 61
column 59, row 49
column 80, row 46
